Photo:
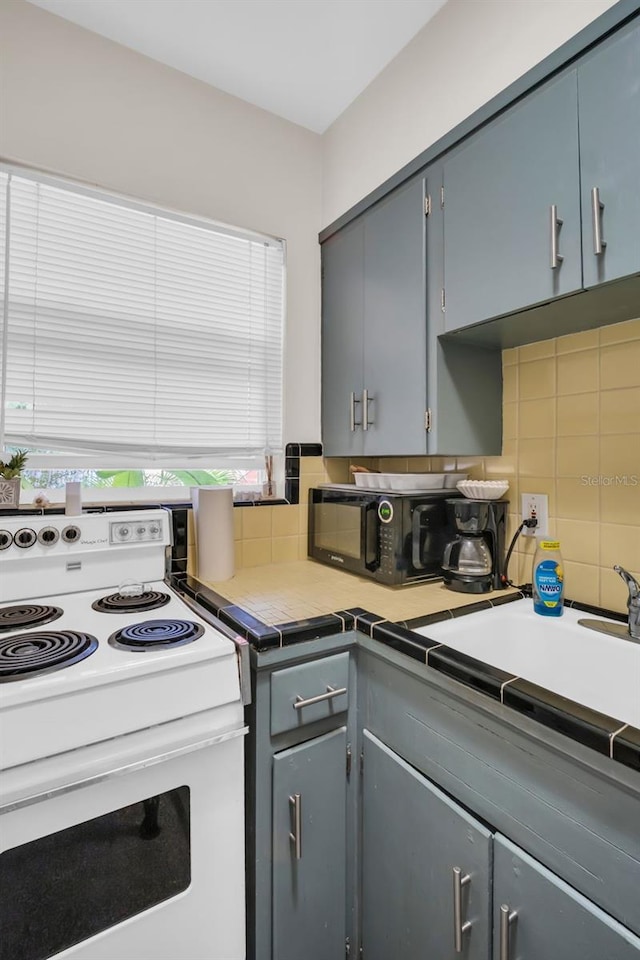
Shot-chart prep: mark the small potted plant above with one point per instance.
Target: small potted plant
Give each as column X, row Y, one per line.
column 10, row 479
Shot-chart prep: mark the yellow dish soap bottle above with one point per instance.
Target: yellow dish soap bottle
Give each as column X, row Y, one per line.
column 548, row 579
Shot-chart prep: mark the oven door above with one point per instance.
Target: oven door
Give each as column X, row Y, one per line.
column 344, row 530
column 140, row 862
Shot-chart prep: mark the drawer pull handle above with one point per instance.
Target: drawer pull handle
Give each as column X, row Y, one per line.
column 459, row 928
column 507, row 917
column 329, row 695
column 295, row 803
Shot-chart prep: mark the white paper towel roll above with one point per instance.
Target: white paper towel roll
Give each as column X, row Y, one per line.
column 213, row 524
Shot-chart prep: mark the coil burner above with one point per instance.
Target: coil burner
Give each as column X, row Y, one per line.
column 32, row 654
column 27, row 615
column 124, row 603
column 156, row 635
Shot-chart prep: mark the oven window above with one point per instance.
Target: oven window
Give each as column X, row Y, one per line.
column 66, row 887
column 337, row 528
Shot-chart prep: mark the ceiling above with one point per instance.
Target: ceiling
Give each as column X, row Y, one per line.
column 304, row 60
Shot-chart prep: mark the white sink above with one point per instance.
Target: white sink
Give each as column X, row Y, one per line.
column 593, row 669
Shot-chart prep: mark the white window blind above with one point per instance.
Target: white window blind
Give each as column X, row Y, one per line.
column 133, row 332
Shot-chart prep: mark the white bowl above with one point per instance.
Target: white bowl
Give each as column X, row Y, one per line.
column 451, row 480
column 411, row 481
column 483, row 489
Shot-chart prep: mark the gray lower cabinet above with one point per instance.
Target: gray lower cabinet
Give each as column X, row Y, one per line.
column 309, row 843
column 426, row 866
column 609, row 111
column 512, row 234
column 539, row 917
column 433, row 876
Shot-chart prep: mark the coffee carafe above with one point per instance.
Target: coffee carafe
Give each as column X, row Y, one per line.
column 473, row 562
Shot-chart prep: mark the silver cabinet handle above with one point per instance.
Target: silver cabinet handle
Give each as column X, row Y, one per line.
column 459, row 928
column 507, row 917
column 295, row 803
column 597, row 206
column 556, row 224
column 329, row 695
column 353, row 423
column 366, row 400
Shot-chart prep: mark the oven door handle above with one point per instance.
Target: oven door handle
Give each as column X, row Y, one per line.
column 61, row 789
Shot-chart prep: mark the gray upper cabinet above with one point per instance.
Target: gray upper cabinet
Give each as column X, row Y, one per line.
column 388, row 387
column 374, row 330
column 395, row 329
column 342, row 338
column 512, row 209
column 414, row 838
column 537, row 915
column 609, row 110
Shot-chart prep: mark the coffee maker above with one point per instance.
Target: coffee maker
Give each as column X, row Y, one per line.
column 474, row 561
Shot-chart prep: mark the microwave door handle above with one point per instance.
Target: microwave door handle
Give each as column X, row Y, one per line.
column 370, row 536
column 416, row 528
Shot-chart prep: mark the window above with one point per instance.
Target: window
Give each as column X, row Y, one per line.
column 135, row 341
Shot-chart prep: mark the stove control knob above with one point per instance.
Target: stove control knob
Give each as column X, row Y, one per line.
column 6, row 539
column 71, row 534
column 154, row 530
column 141, row 531
column 48, row 536
column 26, row 537
column 122, row 531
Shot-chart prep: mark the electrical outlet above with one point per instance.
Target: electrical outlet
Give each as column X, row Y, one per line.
column 535, row 505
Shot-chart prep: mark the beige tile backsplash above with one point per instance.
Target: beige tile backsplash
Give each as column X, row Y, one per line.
column 571, row 429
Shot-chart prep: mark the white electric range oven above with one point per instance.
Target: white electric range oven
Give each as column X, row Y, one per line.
column 121, row 750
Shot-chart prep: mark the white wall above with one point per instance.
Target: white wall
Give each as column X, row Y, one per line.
column 77, row 104
column 465, row 55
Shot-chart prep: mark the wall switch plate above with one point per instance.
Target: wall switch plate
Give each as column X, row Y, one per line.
column 536, row 505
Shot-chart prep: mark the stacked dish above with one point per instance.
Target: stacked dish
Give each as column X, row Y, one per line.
column 483, row 489
column 404, row 482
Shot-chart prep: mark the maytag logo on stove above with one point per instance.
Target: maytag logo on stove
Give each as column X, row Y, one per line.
column 337, row 559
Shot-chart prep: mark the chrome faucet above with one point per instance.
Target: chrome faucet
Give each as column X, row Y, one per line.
column 633, row 602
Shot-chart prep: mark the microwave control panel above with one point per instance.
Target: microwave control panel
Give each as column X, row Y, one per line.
column 386, row 538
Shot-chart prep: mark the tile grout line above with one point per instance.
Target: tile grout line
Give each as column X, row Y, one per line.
column 506, row 684
column 431, row 649
column 612, row 737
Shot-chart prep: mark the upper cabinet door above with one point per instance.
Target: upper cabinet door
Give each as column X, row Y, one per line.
column 549, row 920
column 512, row 210
column 342, row 333
column 609, row 109
column 395, row 328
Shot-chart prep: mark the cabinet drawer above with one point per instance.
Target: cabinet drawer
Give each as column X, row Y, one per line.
column 293, row 688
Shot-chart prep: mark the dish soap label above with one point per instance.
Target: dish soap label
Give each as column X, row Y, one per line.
column 548, row 579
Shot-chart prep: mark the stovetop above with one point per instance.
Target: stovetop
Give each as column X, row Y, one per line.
column 127, row 669
column 107, row 663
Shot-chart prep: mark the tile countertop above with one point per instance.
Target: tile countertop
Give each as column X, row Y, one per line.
column 285, row 592
column 282, row 604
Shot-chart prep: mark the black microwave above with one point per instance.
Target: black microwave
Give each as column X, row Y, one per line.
column 394, row 538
